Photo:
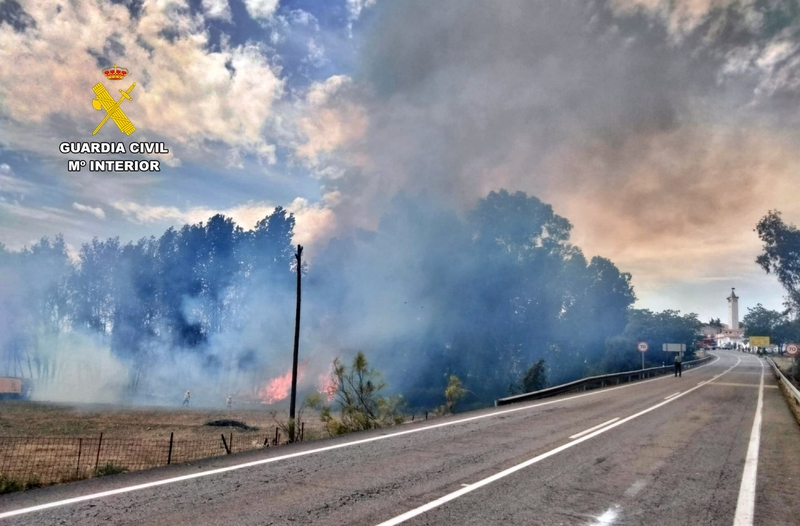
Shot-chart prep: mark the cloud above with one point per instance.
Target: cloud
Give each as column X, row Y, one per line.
column 10, row 184
column 23, row 225
column 217, row 9
column 97, row 212
column 261, row 9
column 314, row 221
column 682, row 16
column 304, row 18
column 316, row 54
column 327, row 120
column 354, row 7
column 187, row 92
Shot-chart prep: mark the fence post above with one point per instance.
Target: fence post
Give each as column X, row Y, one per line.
column 277, row 430
column 302, row 430
column 78, row 466
column 225, row 445
column 230, row 442
column 169, row 455
column 97, row 459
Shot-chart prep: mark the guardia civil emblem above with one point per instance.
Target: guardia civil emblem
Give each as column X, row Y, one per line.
column 104, row 101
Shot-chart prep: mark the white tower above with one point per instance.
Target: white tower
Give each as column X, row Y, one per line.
column 733, row 309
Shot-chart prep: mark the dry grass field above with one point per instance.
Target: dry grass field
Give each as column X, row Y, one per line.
column 45, row 443
column 37, row 419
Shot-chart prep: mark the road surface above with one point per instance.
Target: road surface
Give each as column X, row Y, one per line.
column 716, row 446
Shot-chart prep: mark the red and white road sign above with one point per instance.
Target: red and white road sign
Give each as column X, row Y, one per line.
column 792, row 349
column 642, row 346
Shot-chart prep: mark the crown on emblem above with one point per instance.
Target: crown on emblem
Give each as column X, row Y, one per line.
column 115, row 73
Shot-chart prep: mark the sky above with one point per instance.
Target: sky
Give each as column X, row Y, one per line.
column 662, row 129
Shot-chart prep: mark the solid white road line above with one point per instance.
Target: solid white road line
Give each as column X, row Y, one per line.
column 745, row 506
column 576, row 435
column 172, row 480
column 670, row 396
column 513, row 469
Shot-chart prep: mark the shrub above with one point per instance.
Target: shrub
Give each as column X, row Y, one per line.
column 110, row 469
column 10, row 485
column 358, row 399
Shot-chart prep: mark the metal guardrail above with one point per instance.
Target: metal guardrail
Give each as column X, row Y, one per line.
column 781, row 378
column 595, row 382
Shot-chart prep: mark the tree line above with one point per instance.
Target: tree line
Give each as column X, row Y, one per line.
column 497, row 296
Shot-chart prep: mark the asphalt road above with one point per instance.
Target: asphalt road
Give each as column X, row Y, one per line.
column 657, row 461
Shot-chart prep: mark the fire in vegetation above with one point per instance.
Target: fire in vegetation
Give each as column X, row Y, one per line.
column 328, row 385
column 278, row 388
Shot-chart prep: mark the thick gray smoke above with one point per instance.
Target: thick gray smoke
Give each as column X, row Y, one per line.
column 655, row 127
column 649, row 124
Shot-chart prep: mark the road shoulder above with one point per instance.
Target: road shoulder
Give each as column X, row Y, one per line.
column 779, row 464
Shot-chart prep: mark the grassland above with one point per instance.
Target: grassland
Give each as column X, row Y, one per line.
column 45, row 443
column 38, row 419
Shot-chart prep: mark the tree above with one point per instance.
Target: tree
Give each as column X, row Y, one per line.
column 760, row 321
column 781, row 254
column 360, row 404
column 655, row 328
column 534, row 379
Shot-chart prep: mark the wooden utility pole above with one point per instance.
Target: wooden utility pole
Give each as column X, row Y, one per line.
column 293, row 400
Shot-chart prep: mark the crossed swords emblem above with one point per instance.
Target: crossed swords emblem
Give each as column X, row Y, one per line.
column 112, row 107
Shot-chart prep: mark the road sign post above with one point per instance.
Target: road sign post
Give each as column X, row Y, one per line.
column 792, row 349
column 642, row 347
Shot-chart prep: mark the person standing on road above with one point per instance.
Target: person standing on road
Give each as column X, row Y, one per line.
column 186, row 397
column 678, row 360
column 230, row 401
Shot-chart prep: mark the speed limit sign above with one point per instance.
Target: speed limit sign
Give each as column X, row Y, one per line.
column 642, row 346
column 792, row 349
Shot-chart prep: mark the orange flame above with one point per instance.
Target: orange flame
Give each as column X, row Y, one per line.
column 328, row 385
column 278, row 388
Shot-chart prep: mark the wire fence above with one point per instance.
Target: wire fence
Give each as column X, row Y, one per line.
column 34, row 461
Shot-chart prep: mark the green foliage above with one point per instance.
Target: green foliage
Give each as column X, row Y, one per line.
column 534, row 379
column 11, row 485
column 358, row 399
column 453, row 393
column 110, row 469
column 781, row 254
column 655, row 328
column 760, row 321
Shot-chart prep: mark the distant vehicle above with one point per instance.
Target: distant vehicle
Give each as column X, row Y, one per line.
column 707, row 343
column 12, row 387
